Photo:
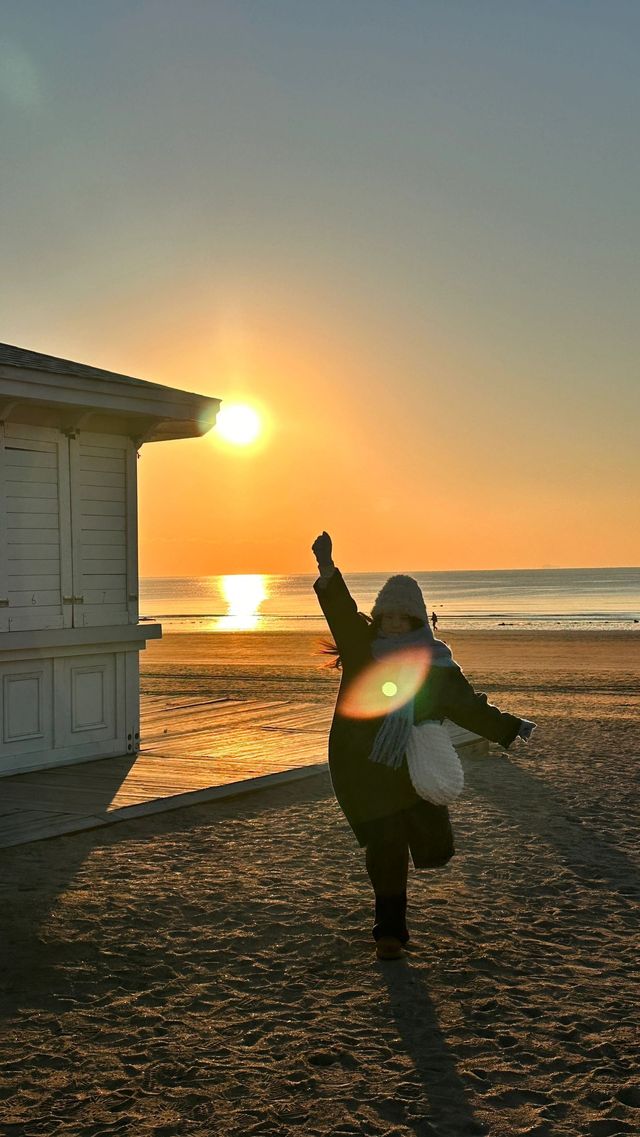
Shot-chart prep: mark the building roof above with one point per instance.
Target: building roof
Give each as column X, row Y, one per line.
column 48, row 388
column 36, row 361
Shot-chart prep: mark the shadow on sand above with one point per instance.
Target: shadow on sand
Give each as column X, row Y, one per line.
column 416, row 1020
column 538, row 809
column 34, row 878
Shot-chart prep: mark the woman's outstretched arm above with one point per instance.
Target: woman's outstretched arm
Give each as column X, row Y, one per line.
column 474, row 712
column 347, row 627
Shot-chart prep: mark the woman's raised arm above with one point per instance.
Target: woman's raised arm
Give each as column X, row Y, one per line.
column 347, row 626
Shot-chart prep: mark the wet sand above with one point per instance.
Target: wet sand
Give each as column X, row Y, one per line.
column 211, row 971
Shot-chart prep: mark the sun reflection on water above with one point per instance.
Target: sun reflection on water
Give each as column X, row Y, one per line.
column 244, row 595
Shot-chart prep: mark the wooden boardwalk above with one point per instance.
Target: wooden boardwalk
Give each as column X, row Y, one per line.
column 194, row 750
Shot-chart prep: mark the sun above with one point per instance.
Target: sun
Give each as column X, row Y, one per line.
column 238, row 424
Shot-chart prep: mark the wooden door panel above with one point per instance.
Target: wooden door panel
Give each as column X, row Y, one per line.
column 31, row 571
column 103, row 528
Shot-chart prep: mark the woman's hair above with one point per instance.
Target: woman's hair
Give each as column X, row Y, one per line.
column 329, row 647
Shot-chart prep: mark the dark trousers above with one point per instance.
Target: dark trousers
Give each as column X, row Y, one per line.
column 425, row 832
column 388, row 867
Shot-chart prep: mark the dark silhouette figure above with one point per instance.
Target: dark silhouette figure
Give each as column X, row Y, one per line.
column 367, row 763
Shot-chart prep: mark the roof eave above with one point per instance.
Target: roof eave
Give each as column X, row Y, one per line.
column 149, row 412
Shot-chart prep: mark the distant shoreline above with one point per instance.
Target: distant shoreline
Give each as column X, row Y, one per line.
column 561, row 628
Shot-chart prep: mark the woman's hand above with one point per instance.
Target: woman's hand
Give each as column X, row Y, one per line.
column 526, row 729
column 322, row 550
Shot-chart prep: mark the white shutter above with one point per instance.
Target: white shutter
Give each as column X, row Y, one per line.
column 104, row 538
column 32, row 563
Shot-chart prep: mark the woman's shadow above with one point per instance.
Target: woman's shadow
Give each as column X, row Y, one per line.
column 442, row 1102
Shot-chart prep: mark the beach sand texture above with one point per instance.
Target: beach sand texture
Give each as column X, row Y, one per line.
column 211, row 970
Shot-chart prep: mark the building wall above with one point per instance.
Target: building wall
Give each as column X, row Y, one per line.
column 68, row 564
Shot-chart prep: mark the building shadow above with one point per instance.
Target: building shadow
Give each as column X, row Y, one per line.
column 444, row 1104
column 35, row 965
column 63, row 799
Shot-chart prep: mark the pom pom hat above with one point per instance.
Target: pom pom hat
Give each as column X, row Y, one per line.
column 401, row 594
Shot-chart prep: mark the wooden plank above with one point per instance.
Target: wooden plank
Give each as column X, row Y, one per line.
column 177, row 704
column 53, row 798
column 37, row 490
column 48, row 781
column 21, row 430
column 212, row 748
column 90, row 507
column 35, row 619
column 17, row 522
column 201, row 742
column 40, row 475
column 103, row 479
column 24, row 537
column 102, row 464
column 102, row 538
column 151, row 702
column 39, row 560
column 29, row 505
column 102, row 493
column 42, row 579
column 185, row 722
column 35, row 598
column 239, row 746
column 50, row 825
column 96, row 591
column 35, row 456
column 91, row 522
column 92, row 438
column 102, row 451
column 214, row 793
column 107, row 564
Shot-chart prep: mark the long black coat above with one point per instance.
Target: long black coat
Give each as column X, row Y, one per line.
column 366, row 790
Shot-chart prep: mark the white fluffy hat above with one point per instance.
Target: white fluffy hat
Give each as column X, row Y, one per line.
column 401, row 594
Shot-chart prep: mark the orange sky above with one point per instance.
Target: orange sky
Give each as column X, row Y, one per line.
column 409, row 232
column 435, row 475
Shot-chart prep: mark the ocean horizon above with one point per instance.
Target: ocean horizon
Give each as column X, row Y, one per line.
column 591, row 598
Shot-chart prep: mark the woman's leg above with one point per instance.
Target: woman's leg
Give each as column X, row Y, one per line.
column 387, row 860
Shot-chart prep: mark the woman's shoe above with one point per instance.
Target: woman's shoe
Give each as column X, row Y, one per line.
column 388, row 947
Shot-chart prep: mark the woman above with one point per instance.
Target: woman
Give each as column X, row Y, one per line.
column 370, row 777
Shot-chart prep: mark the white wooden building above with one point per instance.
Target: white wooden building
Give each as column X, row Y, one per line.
column 69, row 631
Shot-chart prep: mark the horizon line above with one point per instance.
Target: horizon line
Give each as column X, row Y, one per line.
column 381, row 572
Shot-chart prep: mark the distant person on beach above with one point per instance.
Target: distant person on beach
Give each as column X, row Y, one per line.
column 367, row 752
column 434, row 620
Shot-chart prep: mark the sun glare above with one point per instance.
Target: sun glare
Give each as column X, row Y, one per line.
column 244, row 595
column 238, row 424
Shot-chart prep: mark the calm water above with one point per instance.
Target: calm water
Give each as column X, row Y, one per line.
column 518, row 598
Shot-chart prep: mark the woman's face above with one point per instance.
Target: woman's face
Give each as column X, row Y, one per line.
column 394, row 624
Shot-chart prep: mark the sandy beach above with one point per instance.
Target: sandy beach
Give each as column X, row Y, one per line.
column 211, row 970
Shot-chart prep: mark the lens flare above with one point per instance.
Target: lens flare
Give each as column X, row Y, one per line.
column 386, row 684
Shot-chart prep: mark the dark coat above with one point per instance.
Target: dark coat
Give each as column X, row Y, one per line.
column 366, row 790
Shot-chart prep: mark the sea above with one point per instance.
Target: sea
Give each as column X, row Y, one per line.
column 550, row 598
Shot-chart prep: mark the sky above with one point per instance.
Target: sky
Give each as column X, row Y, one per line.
column 406, row 231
